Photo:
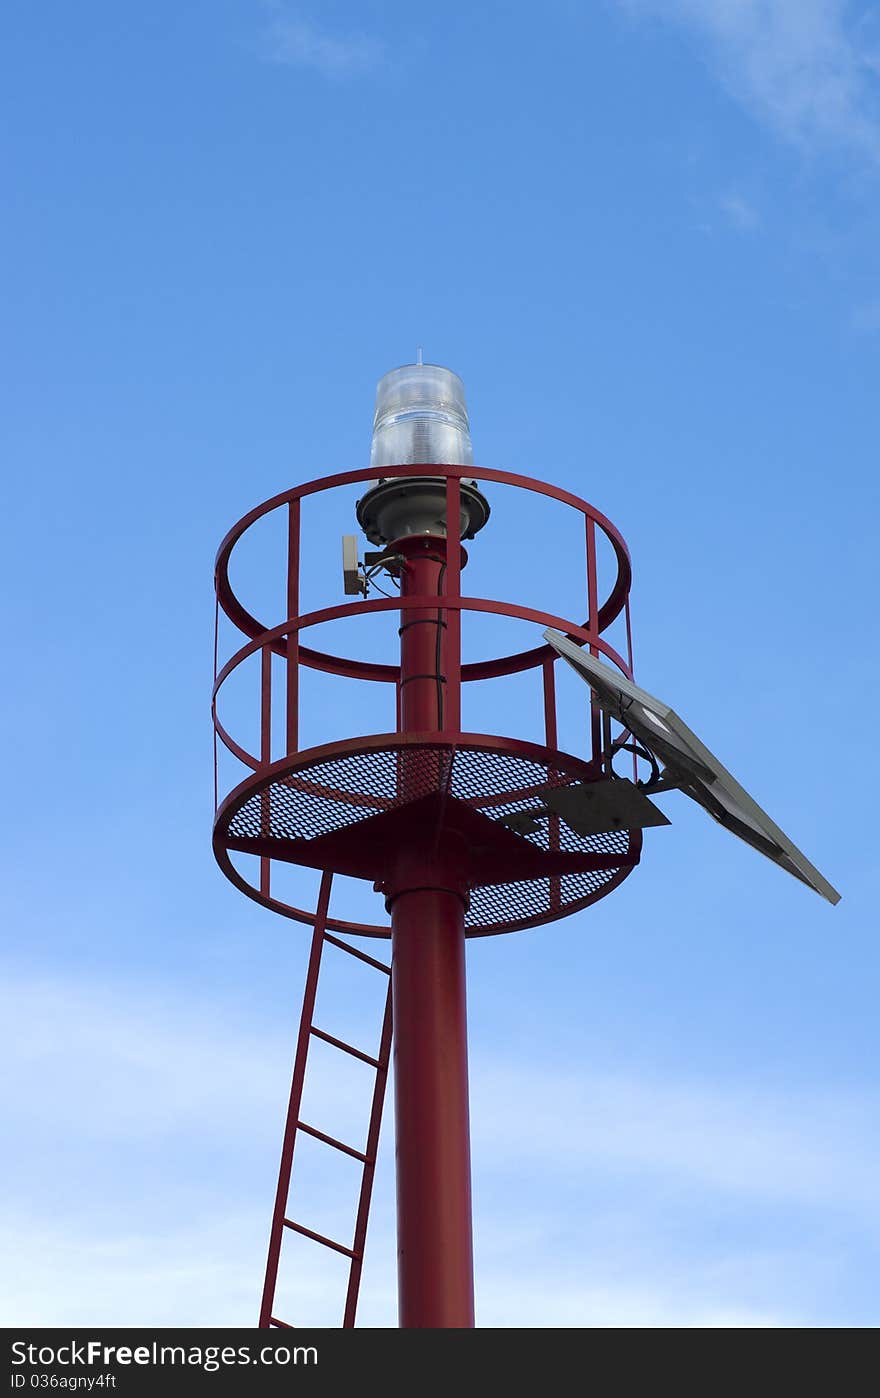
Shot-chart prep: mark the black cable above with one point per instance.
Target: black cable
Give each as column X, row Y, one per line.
column 640, row 751
column 374, row 584
column 383, row 566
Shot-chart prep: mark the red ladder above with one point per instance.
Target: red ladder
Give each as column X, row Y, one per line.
column 367, row 1157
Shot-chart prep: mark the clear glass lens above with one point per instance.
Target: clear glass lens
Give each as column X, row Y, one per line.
column 421, row 416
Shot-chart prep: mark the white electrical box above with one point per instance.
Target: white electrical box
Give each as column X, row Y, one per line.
column 351, row 573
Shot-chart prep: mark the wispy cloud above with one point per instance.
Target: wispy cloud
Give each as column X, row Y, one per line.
column 805, row 1148
column 199, row 1274
column 808, row 69
column 163, row 1069
column 292, row 38
column 617, row 1289
column 739, row 211
column 117, row 1096
column 865, row 319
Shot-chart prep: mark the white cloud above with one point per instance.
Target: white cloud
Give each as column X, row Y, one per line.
column 159, row 1069
column 198, row 1094
column 865, row 319
column 739, row 211
column 204, row 1274
column 805, row 1148
column 548, row 1299
column 293, row 39
column 806, row 68
column 71, row 1275
column 117, row 1062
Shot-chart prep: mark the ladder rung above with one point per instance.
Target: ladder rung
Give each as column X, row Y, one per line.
column 332, row 1141
column 319, row 1238
column 281, row 1324
column 361, row 955
column 346, row 1048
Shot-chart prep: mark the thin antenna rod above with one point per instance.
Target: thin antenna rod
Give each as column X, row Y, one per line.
column 419, row 355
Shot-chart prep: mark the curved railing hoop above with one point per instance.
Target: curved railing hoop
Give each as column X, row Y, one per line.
column 607, row 611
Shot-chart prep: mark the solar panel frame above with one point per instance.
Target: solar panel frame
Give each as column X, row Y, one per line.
column 697, row 771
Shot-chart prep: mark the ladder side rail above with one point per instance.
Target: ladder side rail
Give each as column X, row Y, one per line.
column 294, row 1103
column 372, row 1147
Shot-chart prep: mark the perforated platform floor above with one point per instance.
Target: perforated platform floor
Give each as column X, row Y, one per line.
column 341, row 808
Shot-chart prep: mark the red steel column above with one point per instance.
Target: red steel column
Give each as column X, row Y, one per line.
column 427, row 904
column 421, row 694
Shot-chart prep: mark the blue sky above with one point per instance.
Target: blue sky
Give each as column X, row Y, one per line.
column 645, row 233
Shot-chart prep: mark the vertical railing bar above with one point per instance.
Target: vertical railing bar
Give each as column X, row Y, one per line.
column 398, row 761
column 266, row 706
column 265, row 759
column 550, row 736
column 629, row 637
column 593, row 628
column 552, row 740
column 295, row 1101
column 371, row 1150
column 293, row 561
column 452, row 616
column 629, row 658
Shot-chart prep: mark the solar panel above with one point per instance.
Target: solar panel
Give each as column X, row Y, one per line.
column 694, row 769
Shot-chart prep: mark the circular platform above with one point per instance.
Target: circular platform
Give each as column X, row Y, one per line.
column 343, row 806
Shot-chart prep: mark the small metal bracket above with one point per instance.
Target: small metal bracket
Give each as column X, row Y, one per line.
column 525, row 822
column 667, row 781
column 375, row 559
column 357, row 575
column 595, row 808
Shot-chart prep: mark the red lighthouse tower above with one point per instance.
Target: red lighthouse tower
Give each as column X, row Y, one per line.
column 464, row 834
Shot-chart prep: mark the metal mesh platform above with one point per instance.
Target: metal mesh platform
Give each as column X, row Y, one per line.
column 294, row 815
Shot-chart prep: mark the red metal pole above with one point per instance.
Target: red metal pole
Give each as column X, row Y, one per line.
column 434, row 1242
column 427, row 904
